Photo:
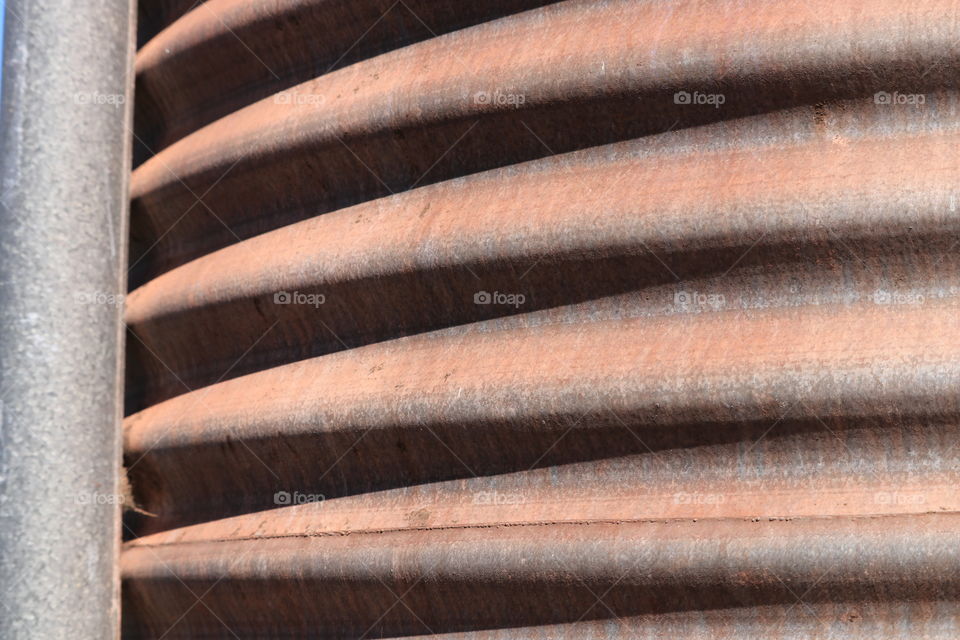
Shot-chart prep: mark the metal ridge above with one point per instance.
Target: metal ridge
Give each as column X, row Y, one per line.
column 386, row 124
column 559, row 214
column 174, row 70
column 642, row 569
column 579, row 384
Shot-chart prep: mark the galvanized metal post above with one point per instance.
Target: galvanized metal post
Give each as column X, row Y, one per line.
column 64, row 160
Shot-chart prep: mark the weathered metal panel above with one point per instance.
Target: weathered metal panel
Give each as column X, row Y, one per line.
column 603, row 319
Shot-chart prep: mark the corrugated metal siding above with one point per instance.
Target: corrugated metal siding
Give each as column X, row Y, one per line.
column 598, row 319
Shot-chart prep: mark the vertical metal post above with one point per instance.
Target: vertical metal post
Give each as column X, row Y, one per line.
column 64, row 164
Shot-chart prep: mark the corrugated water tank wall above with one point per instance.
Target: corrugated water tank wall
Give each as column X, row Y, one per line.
column 527, row 319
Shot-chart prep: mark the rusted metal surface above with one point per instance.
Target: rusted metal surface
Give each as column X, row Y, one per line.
column 153, row 16
column 345, row 585
column 588, row 73
column 489, row 332
column 609, row 387
column 413, row 262
column 278, row 48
